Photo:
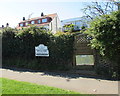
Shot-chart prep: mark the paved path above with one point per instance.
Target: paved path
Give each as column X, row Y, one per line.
column 82, row 85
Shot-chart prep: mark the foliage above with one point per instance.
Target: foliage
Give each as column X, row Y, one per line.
column 19, row 48
column 18, row 87
column 105, row 33
column 106, row 36
column 83, row 27
column 61, row 33
column 69, row 27
column 8, row 43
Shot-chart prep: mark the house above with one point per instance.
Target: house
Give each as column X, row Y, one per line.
column 77, row 22
column 51, row 22
column 7, row 25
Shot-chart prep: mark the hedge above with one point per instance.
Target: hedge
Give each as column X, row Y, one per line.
column 19, row 49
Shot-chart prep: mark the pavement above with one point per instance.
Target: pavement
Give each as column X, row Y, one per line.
column 79, row 84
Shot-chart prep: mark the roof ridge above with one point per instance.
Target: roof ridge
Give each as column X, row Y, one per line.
column 40, row 17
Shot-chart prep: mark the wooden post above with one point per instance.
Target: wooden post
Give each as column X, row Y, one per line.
column 74, row 51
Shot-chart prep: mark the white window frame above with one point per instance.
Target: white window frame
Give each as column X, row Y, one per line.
column 33, row 22
column 44, row 21
column 21, row 24
column 39, row 21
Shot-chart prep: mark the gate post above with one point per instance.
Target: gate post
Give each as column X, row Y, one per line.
column 74, row 51
column 96, row 58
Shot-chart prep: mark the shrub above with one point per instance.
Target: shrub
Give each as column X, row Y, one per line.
column 106, row 37
column 8, row 42
column 22, row 44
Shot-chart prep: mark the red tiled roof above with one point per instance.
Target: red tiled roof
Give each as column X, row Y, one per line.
column 49, row 15
column 42, row 24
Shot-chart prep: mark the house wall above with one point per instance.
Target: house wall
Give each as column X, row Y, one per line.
column 78, row 22
column 36, row 21
column 55, row 25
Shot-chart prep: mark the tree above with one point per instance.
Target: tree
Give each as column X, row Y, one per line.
column 117, row 3
column 105, row 33
column 100, row 8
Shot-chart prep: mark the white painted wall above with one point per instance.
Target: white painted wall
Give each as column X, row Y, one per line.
column 55, row 25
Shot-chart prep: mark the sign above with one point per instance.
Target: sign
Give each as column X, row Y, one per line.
column 41, row 50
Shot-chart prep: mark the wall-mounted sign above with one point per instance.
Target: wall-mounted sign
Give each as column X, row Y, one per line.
column 41, row 50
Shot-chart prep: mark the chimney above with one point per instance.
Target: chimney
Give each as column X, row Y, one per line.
column 2, row 26
column 42, row 14
column 23, row 18
column 7, row 24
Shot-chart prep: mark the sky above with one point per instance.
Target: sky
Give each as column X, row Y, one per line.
column 12, row 11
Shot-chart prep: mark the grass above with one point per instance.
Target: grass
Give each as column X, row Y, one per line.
column 0, row 87
column 18, row 87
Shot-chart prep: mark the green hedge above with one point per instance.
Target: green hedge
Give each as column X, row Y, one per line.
column 19, row 49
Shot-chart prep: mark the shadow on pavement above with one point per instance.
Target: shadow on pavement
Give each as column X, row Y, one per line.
column 65, row 74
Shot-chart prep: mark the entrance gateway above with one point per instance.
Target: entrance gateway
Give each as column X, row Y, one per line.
column 83, row 54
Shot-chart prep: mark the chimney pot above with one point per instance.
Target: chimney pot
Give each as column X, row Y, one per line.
column 42, row 14
column 7, row 24
column 2, row 26
column 23, row 18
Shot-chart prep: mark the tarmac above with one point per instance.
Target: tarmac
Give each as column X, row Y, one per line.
column 79, row 84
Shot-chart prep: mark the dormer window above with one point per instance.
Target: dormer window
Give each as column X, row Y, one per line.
column 44, row 20
column 32, row 22
column 39, row 21
column 21, row 24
